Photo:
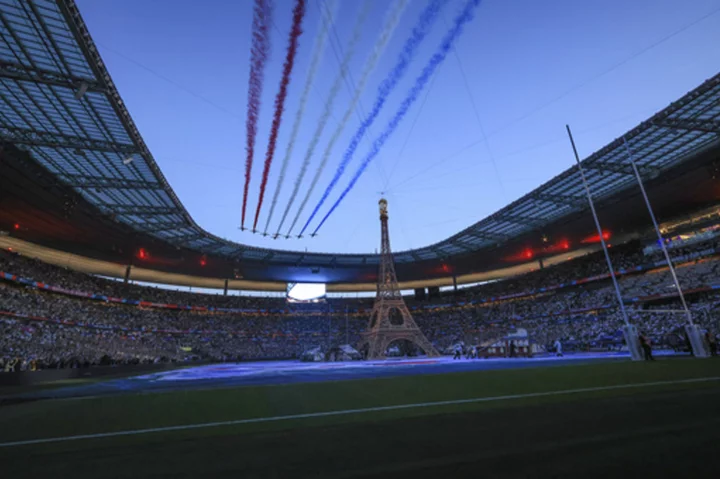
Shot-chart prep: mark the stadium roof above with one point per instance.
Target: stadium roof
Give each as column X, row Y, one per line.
column 58, row 102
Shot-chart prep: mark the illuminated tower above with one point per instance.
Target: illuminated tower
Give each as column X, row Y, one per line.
column 390, row 319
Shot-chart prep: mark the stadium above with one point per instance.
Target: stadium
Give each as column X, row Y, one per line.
column 571, row 331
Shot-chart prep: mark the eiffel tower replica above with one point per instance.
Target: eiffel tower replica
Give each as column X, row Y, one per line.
column 390, row 319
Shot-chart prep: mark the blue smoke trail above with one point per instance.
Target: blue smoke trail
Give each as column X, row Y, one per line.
column 327, row 111
column 450, row 37
column 419, row 32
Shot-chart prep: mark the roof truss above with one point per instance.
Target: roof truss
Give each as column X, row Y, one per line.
column 86, row 181
column 24, row 136
column 79, row 85
column 706, row 126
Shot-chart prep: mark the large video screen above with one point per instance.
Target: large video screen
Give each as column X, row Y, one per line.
column 305, row 292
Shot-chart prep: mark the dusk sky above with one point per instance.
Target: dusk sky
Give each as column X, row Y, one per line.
column 488, row 127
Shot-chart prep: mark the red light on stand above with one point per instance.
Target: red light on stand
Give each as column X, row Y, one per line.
column 442, row 268
column 523, row 255
column 596, row 238
column 16, row 226
column 203, row 261
column 142, row 254
column 561, row 245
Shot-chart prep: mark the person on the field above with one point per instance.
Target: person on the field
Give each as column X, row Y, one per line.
column 513, row 349
column 558, row 347
column 712, row 343
column 458, row 352
column 647, row 349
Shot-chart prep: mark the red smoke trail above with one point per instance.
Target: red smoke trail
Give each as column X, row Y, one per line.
column 258, row 57
column 295, row 31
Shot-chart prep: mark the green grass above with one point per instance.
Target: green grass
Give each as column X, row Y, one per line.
column 46, row 386
column 138, row 411
column 120, row 373
column 612, row 433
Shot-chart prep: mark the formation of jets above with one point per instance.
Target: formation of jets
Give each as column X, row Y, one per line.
column 276, row 235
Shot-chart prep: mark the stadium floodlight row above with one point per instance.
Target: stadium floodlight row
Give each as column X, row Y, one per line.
column 59, row 104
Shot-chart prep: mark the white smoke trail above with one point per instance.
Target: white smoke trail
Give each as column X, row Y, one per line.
column 421, row 82
column 318, row 50
column 370, row 63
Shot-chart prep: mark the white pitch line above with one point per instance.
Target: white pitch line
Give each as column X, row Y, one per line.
column 353, row 411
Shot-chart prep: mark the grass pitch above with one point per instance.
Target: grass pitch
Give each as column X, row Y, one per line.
column 545, row 434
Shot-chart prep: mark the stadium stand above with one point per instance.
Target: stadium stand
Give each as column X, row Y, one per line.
column 53, row 317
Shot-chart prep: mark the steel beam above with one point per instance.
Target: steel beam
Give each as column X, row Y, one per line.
column 238, row 255
column 88, row 181
column 158, row 227
column 215, row 247
column 141, row 210
column 705, row 126
column 184, row 239
column 439, row 254
column 520, row 220
column 619, row 168
column 566, row 200
column 486, row 235
column 18, row 72
column 26, row 136
column 463, row 246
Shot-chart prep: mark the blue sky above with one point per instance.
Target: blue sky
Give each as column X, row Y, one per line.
column 488, row 128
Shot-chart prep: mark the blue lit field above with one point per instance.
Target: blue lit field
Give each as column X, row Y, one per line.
column 229, row 417
column 290, row 372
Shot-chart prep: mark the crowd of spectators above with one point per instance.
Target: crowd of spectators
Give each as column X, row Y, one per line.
column 68, row 278
column 102, row 332
column 624, row 257
column 41, row 329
